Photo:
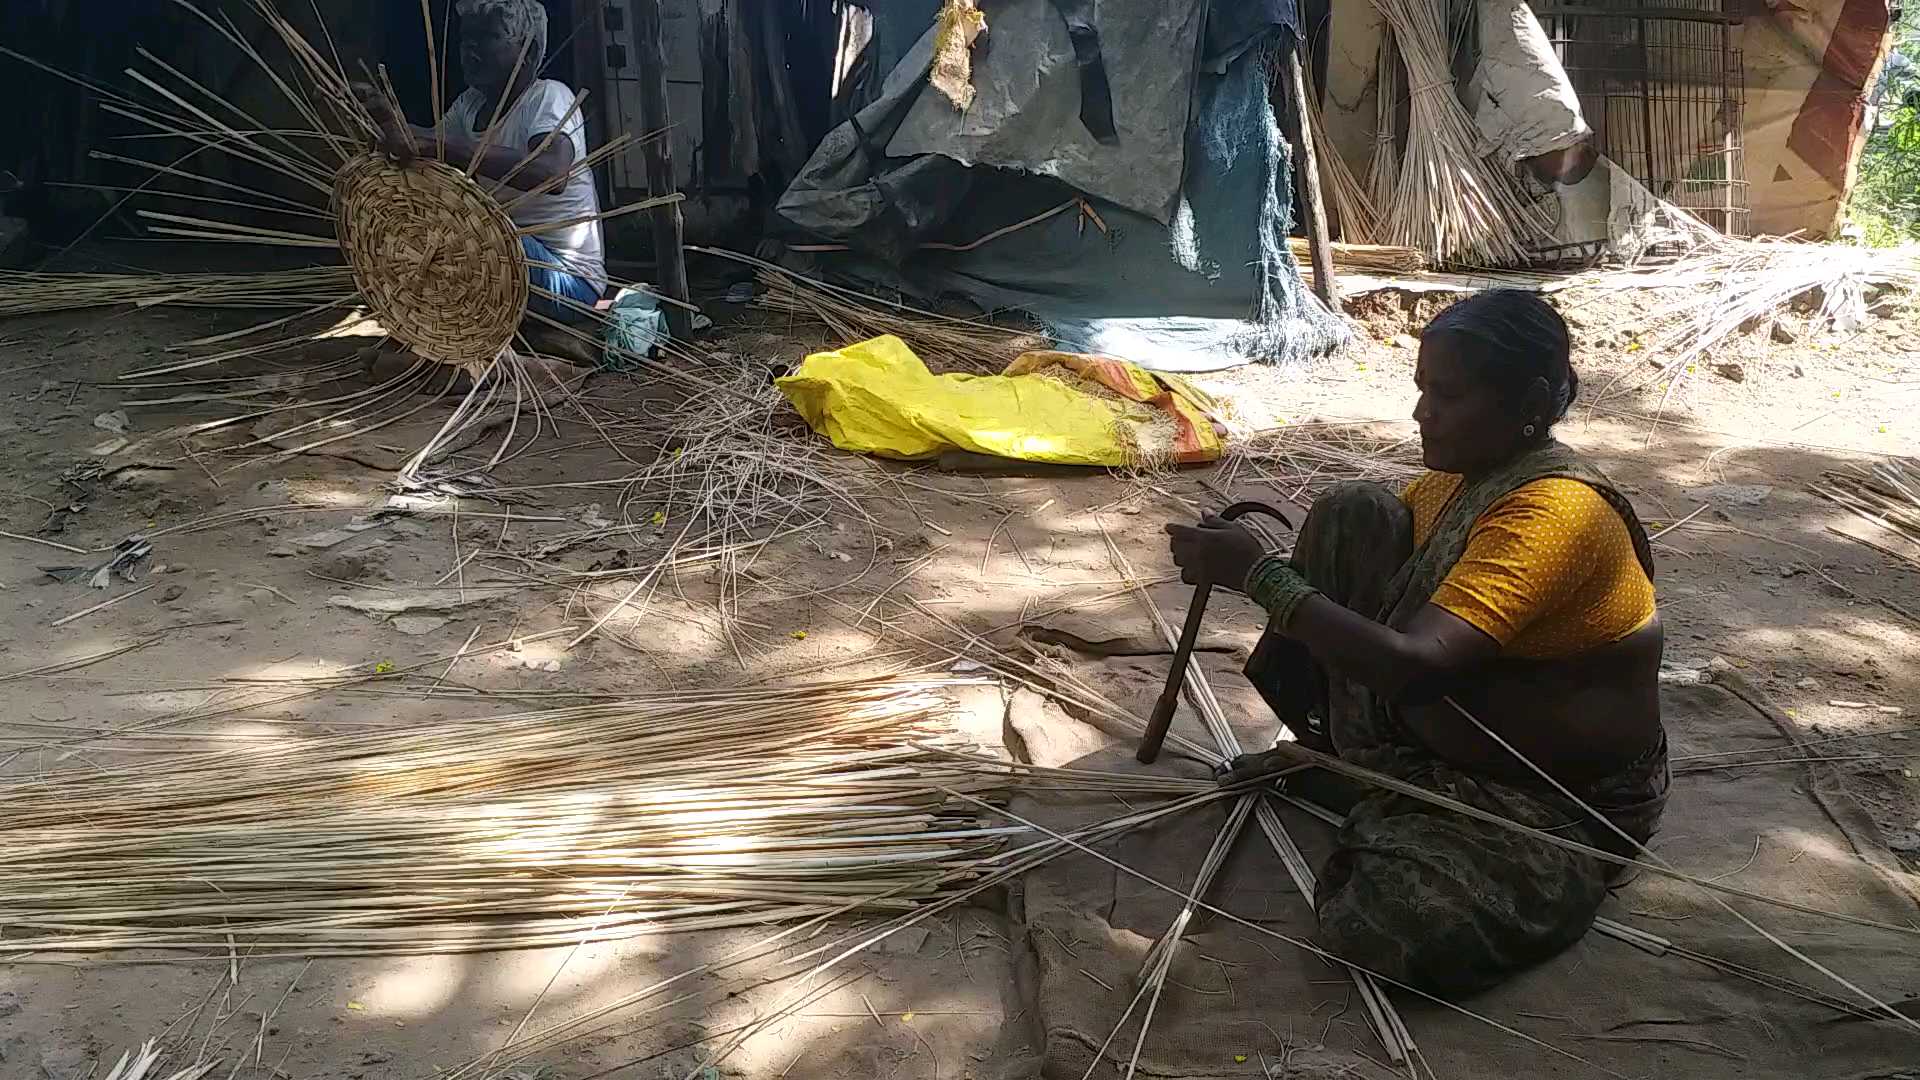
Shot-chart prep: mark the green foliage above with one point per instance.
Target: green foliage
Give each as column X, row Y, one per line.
column 1886, row 197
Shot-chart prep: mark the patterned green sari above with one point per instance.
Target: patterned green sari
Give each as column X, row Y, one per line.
column 1411, row 890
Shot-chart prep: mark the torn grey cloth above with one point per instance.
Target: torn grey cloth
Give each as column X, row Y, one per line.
column 1202, row 281
column 1028, row 103
column 1519, row 94
column 1234, row 28
column 1096, row 93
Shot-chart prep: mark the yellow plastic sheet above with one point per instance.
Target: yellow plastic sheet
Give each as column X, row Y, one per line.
column 877, row 397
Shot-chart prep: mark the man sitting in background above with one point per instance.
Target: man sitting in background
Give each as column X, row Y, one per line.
column 566, row 263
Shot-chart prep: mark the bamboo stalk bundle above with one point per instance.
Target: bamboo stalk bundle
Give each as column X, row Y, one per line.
column 1383, row 171
column 1379, row 258
column 35, row 293
column 593, row 822
column 1448, row 200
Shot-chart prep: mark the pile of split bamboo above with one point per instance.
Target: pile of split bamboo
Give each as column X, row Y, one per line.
column 1726, row 283
column 1887, row 495
column 35, row 293
column 944, row 342
column 595, row 822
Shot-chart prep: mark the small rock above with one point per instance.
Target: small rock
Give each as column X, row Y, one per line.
column 1404, row 341
column 115, row 421
column 16, row 245
column 1783, row 336
column 321, row 541
column 375, row 1057
column 407, row 603
column 550, row 666
column 108, row 447
column 361, row 564
column 409, row 527
column 905, row 942
column 65, row 1063
column 1807, row 684
column 1739, row 494
column 1730, row 371
column 283, row 551
column 415, row 625
column 1904, row 841
column 167, row 596
column 9, row 1003
column 1787, row 571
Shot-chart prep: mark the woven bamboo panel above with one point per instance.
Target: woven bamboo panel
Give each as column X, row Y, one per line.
column 438, row 261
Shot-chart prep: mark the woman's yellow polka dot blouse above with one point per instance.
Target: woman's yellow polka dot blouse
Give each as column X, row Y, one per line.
column 1548, row 571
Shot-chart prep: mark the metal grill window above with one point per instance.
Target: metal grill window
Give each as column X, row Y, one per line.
column 1662, row 86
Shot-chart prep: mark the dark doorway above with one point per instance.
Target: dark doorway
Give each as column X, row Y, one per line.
column 405, row 33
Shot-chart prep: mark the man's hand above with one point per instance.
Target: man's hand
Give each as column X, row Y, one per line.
column 396, row 136
column 1218, row 551
column 1254, row 766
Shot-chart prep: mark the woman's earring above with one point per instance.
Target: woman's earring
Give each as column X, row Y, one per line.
column 1527, row 431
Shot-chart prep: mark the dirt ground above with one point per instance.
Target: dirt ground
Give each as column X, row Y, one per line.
column 237, row 611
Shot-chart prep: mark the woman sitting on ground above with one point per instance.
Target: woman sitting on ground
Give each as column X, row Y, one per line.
column 1510, row 585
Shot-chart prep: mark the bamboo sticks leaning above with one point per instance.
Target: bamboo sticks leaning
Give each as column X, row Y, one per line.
column 1447, row 200
column 1353, row 206
column 665, row 812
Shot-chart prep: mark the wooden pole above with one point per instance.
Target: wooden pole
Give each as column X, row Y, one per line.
column 1318, row 244
column 671, row 261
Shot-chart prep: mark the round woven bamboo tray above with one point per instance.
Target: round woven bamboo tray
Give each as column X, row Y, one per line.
column 437, row 260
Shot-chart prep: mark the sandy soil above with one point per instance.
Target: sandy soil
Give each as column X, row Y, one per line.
column 1762, row 577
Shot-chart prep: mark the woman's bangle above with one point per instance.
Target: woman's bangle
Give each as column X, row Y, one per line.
column 1280, row 589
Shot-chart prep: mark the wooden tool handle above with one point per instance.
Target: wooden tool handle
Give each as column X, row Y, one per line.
column 1162, row 718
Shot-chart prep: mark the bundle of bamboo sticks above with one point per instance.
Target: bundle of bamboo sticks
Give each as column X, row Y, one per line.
column 1352, row 205
column 593, row 822
column 37, row 293
column 1448, row 201
column 1379, row 258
